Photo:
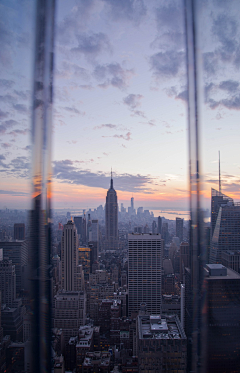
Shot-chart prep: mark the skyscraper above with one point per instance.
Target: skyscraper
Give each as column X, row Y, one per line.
column 94, row 238
column 78, row 221
column 184, row 258
column 145, row 272
column 111, row 218
column 154, row 227
column 17, row 252
column 223, row 319
column 69, row 258
column 218, row 199
column 132, row 205
column 159, row 224
column 7, row 282
column 179, row 228
column 225, row 226
column 19, row 231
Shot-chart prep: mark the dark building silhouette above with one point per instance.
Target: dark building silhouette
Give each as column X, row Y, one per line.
column 19, row 231
column 225, row 225
column 159, row 224
column 179, row 228
column 7, row 282
column 154, row 227
column 231, row 259
column 161, row 344
column 184, row 258
column 218, row 199
column 223, row 319
column 17, row 252
column 165, row 233
column 78, row 221
column 111, row 218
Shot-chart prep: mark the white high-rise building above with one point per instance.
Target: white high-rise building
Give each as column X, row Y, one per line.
column 71, row 273
column 145, row 272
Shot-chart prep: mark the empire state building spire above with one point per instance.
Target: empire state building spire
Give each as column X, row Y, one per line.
column 111, row 184
column 111, row 218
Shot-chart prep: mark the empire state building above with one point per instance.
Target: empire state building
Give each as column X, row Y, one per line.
column 111, row 218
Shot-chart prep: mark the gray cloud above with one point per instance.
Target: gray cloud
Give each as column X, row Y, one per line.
column 76, row 70
column 210, row 62
column 225, row 30
column 92, row 45
column 166, row 64
column 5, row 83
column 20, row 108
column 3, row 114
column 66, row 171
column 133, row 10
column 74, row 21
column 150, row 122
column 18, row 167
column 5, row 145
column 13, row 193
column 109, row 125
column 27, row 148
column 169, row 16
column 11, row 38
column 86, row 86
column 19, row 132
column 170, row 25
column 133, row 100
column 7, row 98
column 113, row 74
column 74, row 110
column 138, row 113
column 183, row 95
column 126, row 137
column 169, row 60
column 232, row 103
column 229, row 85
column 2, row 164
column 6, row 125
column 22, row 95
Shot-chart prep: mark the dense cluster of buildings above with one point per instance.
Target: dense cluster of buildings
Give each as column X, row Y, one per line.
column 121, row 291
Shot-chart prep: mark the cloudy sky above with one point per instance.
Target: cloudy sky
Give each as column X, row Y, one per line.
column 120, row 101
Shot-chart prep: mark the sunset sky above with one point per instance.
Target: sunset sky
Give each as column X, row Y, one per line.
column 120, row 101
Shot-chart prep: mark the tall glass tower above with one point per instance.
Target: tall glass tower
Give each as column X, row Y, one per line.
column 111, row 218
column 225, row 226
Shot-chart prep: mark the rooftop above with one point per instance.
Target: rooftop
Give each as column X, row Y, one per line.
column 160, row 327
column 218, row 271
column 231, row 252
column 97, row 358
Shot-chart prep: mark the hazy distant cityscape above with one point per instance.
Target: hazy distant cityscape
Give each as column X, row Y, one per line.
column 121, row 289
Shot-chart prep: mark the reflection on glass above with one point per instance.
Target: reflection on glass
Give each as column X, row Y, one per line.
column 40, row 214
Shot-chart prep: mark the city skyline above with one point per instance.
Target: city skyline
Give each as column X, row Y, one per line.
column 120, row 87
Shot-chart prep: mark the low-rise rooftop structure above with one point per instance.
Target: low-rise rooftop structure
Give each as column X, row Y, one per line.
column 97, row 361
column 158, row 338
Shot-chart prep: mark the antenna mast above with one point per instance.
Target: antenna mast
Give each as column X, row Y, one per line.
column 219, row 173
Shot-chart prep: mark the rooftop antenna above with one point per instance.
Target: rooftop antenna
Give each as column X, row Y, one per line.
column 219, row 172
column 111, row 179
